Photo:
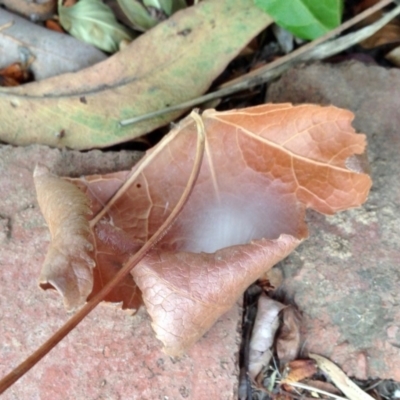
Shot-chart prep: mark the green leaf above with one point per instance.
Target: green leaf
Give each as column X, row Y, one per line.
column 93, row 22
column 137, row 14
column 140, row 16
column 178, row 5
column 153, row 3
column 167, row 6
column 163, row 5
column 306, row 19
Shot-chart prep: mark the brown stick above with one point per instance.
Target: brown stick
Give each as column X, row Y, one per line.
column 26, row 365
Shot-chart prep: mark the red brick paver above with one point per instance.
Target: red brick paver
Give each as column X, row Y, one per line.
column 111, row 355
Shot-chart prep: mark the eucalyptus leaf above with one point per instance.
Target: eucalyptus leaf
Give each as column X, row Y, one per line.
column 166, row 5
column 306, row 19
column 84, row 110
column 178, row 5
column 137, row 14
column 163, row 5
column 153, row 3
column 94, row 22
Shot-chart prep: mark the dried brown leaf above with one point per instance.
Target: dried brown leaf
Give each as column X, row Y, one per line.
column 288, row 340
column 112, row 244
column 54, row 25
column 69, row 263
column 262, row 338
column 14, row 74
column 262, row 168
column 390, row 33
column 298, row 370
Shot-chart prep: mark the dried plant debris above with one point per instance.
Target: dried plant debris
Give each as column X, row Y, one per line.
column 148, row 75
column 262, row 339
column 245, row 213
column 340, row 379
column 315, row 377
column 48, row 53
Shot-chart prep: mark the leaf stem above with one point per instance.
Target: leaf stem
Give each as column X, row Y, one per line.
column 26, row 365
column 268, row 72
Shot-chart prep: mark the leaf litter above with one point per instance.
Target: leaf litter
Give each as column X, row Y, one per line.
column 223, row 237
column 269, row 373
column 175, row 61
column 318, row 49
column 264, row 329
column 279, row 159
column 188, row 280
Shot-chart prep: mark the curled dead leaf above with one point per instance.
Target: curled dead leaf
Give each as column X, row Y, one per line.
column 297, row 370
column 65, row 209
column 263, row 166
column 185, row 293
column 288, row 340
column 263, row 335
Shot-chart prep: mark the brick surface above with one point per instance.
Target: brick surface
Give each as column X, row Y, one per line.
column 110, row 355
column 345, row 277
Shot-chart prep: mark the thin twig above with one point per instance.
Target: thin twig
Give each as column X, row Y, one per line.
column 311, row 45
column 266, row 73
column 313, row 389
column 25, row 366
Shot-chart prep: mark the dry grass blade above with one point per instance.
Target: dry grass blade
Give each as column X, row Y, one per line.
column 313, row 389
column 340, row 379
